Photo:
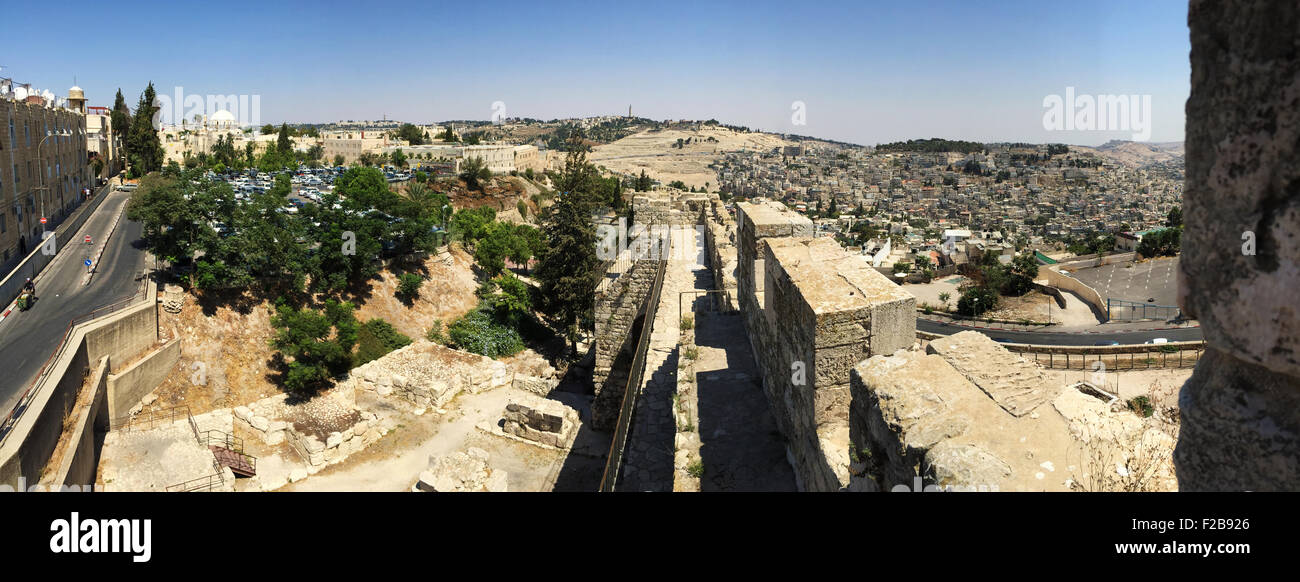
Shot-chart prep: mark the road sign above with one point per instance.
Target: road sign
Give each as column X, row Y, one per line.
column 87, row 239
column 42, row 220
column 87, row 262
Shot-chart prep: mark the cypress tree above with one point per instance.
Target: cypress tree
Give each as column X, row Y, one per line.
column 144, row 150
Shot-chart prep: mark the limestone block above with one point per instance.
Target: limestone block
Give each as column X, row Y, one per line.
column 260, row 423
column 1016, row 384
column 965, row 465
column 313, row 444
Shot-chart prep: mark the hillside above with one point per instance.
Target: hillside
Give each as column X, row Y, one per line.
column 655, row 152
column 1134, row 153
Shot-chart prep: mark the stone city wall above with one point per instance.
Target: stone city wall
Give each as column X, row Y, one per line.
column 818, row 311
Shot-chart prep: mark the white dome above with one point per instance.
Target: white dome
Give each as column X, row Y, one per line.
column 222, row 116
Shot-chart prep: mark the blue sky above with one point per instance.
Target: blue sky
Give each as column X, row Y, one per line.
column 867, row 72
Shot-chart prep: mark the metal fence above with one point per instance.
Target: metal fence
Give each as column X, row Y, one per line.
column 1156, row 356
column 1122, row 309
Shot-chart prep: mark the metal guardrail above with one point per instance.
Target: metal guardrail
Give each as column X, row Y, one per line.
column 33, row 389
column 1154, row 356
column 204, row 483
column 222, row 439
column 614, row 461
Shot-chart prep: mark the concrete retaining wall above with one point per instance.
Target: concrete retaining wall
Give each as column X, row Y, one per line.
column 1065, row 282
column 79, row 462
column 126, row 388
column 121, row 336
column 125, row 334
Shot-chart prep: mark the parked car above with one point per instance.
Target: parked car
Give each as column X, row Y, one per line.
column 1106, row 343
column 1158, row 340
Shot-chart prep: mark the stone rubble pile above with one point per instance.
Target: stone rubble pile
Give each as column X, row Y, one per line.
column 462, row 471
column 428, row 375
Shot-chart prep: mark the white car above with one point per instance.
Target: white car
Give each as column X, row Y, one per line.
column 1159, row 340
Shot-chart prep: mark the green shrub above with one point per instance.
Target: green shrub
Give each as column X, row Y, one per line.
column 408, row 286
column 480, row 332
column 1142, row 406
column 691, row 352
column 695, row 469
column 436, row 333
column 688, row 323
column 376, row 338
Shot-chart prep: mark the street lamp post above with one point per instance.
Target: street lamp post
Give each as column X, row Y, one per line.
column 48, row 135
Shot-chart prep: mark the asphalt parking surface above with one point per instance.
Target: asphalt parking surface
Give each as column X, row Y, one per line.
column 1137, row 282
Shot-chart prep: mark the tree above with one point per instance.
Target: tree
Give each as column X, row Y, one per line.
column 338, row 159
column 174, row 217
column 471, row 224
column 1021, row 274
column 144, row 150
column 491, row 251
column 283, row 144
column 121, row 117
column 271, row 243
column 473, row 172
column 316, row 345
column 480, row 332
column 976, row 300
column 399, row 158
column 408, row 286
column 643, row 182
column 1175, row 218
column 268, row 129
column 567, row 267
column 349, row 236
column 412, row 134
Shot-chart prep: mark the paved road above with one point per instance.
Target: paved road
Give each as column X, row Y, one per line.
column 27, row 338
column 1076, row 338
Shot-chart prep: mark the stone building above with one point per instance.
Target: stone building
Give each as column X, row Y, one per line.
column 43, row 168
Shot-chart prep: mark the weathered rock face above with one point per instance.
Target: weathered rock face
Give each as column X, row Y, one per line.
column 1016, row 384
column 918, row 421
column 1240, row 416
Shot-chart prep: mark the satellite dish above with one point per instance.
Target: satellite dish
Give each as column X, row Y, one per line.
column 20, row 93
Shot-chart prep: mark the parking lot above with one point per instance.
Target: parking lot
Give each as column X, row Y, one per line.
column 1155, row 279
